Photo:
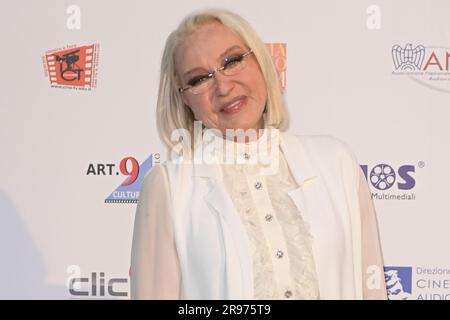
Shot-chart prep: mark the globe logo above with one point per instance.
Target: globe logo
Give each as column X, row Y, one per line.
column 382, row 176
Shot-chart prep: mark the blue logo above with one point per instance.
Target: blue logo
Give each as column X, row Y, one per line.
column 128, row 191
column 398, row 282
column 383, row 176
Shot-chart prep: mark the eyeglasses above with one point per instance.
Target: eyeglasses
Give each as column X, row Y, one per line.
column 230, row 66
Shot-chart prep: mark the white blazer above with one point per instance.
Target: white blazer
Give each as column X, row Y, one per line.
column 211, row 256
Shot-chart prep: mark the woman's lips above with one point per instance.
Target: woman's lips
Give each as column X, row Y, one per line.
column 235, row 106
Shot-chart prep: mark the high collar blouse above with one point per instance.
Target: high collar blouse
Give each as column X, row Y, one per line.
column 283, row 264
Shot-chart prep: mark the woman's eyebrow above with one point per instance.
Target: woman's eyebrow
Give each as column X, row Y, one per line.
column 229, row 50
column 192, row 70
column 221, row 57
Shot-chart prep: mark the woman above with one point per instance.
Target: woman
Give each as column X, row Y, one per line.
column 299, row 226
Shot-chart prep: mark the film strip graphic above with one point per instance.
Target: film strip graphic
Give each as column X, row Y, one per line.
column 74, row 67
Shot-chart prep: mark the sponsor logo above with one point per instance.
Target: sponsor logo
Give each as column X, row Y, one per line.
column 417, row 283
column 426, row 65
column 432, row 283
column 389, row 182
column 95, row 284
column 398, row 282
column 72, row 67
column 128, row 190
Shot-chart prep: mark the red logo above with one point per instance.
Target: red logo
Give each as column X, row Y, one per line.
column 73, row 66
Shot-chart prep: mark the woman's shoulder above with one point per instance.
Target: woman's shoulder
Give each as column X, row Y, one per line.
column 323, row 144
column 169, row 172
column 329, row 155
column 325, row 151
column 155, row 176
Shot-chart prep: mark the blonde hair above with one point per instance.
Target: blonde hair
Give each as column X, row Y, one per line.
column 172, row 114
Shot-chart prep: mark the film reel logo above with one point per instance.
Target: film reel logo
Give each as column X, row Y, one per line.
column 74, row 66
column 382, row 176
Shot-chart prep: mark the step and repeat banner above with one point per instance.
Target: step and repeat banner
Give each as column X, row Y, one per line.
column 78, row 133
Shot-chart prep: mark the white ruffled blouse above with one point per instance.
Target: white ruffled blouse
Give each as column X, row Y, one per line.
column 280, row 240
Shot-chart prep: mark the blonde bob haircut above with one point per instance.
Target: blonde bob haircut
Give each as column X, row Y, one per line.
column 173, row 114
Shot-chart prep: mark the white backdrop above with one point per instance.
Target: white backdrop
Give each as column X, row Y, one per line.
column 66, row 225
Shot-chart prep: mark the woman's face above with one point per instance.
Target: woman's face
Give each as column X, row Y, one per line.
column 231, row 101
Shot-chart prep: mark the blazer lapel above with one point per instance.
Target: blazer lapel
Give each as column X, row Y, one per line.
column 314, row 204
column 303, row 171
column 239, row 268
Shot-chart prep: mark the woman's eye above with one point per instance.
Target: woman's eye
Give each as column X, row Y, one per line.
column 197, row 80
column 231, row 62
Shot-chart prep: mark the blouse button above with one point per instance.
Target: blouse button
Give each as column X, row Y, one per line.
column 246, row 156
column 268, row 217
column 280, row 254
column 258, row 185
column 288, row 294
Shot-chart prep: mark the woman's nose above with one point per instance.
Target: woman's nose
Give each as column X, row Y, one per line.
column 223, row 84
